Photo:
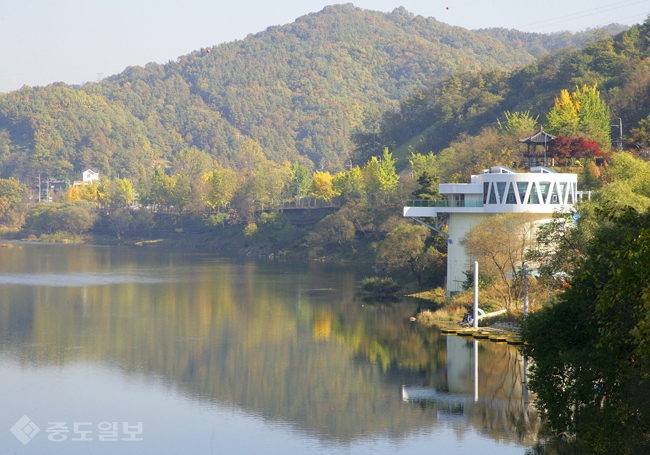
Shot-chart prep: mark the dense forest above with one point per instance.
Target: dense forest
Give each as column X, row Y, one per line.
column 468, row 102
column 299, row 91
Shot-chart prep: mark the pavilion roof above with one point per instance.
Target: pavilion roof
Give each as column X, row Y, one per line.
column 541, row 138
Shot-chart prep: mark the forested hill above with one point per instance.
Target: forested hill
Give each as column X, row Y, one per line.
column 299, row 90
column 454, row 111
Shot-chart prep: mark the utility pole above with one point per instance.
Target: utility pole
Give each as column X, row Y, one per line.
column 298, row 183
column 620, row 133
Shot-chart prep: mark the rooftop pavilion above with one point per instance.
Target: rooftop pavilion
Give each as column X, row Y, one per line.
column 541, row 191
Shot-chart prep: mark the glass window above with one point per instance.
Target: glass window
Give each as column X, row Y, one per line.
column 534, row 196
column 501, row 186
column 555, row 198
column 492, row 198
column 521, row 188
column 544, row 187
column 486, row 187
column 510, row 197
column 563, row 188
column 574, row 192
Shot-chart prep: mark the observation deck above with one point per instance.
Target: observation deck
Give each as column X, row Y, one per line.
column 541, row 192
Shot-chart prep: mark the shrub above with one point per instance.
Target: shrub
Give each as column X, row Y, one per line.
column 380, row 286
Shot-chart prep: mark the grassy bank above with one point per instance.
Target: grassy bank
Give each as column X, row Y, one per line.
column 436, row 309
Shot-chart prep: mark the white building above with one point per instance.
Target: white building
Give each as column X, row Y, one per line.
column 497, row 190
column 88, row 176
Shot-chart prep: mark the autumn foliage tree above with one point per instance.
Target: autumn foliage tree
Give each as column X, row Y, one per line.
column 581, row 113
column 567, row 150
column 499, row 243
column 322, row 186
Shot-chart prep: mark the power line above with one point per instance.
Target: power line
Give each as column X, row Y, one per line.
column 583, row 14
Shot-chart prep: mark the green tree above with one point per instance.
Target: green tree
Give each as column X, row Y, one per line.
column 334, row 230
column 469, row 155
column 76, row 217
column 629, row 183
column 428, row 187
column 40, row 218
column 143, row 220
column 372, row 178
column 405, row 249
column 349, row 185
column 562, row 243
column 192, row 162
column 639, row 137
column 161, row 190
column 589, row 351
column 388, row 176
column 423, row 163
column 121, row 221
column 301, row 181
column 123, row 193
column 13, row 196
column 222, row 184
column 181, row 194
column 274, row 228
column 518, row 124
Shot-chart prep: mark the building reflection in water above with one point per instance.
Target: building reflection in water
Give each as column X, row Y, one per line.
column 483, row 385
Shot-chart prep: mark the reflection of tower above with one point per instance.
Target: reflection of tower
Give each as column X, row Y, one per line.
column 500, row 405
column 459, row 365
column 475, row 343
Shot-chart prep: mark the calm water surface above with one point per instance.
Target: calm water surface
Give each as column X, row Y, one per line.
column 131, row 350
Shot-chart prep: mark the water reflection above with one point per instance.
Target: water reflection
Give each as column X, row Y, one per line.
column 287, row 345
column 480, row 386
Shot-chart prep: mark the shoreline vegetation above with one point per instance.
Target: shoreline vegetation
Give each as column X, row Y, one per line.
column 231, row 240
column 434, row 309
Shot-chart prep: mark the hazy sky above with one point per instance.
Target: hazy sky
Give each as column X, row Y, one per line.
column 75, row 41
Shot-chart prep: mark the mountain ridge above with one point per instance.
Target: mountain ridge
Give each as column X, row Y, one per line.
column 299, row 90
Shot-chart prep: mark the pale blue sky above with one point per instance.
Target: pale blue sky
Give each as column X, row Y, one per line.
column 75, row 41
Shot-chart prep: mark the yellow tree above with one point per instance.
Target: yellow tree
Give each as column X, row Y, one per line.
column 581, row 113
column 123, row 193
column 322, row 186
column 563, row 118
column 103, row 192
column 74, row 194
column 86, row 192
column 222, row 184
column 372, row 177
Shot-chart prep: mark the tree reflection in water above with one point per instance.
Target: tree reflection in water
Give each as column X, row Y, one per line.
column 288, row 342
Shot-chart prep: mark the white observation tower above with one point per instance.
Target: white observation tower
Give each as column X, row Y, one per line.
column 497, row 190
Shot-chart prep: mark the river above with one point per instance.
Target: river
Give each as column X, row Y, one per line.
column 141, row 350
